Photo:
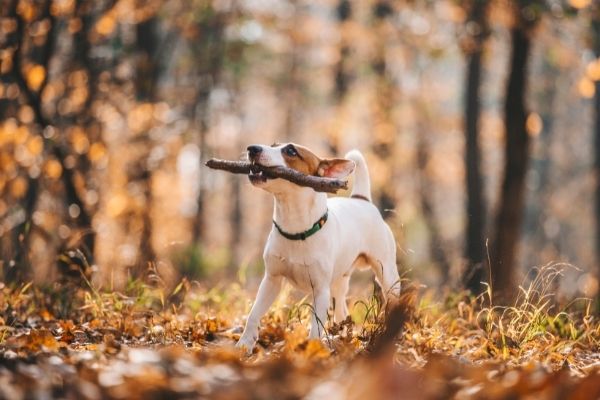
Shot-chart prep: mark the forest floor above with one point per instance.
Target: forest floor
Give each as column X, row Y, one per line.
column 146, row 343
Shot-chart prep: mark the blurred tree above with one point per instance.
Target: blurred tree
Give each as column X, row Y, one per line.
column 30, row 70
column 40, row 57
column 292, row 80
column 148, row 70
column 209, row 53
column 526, row 14
column 423, row 156
column 596, row 48
column 384, row 131
column 235, row 214
column 342, row 73
column 542, row 126
column 476, row 31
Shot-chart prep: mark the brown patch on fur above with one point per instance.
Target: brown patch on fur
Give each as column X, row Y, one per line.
column 362, row 261
column 360, row 197
column 306, row 161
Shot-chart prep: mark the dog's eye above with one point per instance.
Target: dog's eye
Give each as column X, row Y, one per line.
column 290, row 151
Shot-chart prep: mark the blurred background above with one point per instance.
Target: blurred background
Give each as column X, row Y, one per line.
column 477, row 118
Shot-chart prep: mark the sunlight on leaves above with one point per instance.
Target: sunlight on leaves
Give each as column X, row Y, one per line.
column 586, row 88
column 534, row 124
column 106, row 25
column 53, row 169
column 18, row 187
column 35, row 76
column 580, row 3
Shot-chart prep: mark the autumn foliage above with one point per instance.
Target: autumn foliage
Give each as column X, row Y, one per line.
column 127, row 268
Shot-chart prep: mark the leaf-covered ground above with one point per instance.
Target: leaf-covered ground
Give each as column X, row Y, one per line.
column 73, row 343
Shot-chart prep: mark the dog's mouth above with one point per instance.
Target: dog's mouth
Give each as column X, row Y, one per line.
column 257, row 177
column 257, row 174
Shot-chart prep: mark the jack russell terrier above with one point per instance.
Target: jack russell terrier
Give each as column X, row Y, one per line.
column 317, row 241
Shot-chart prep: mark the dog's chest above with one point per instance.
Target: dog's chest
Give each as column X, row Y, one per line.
column 303, row 269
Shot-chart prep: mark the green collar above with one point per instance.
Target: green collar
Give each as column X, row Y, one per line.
column 308, row 233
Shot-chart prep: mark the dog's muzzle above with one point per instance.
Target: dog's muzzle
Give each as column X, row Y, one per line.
column 254, row 152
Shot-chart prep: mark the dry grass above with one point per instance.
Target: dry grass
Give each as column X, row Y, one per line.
column 131, row 344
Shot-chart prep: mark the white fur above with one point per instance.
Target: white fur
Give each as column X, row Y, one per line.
column 322, row 264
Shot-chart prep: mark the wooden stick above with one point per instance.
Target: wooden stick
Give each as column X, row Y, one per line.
column 319, row 184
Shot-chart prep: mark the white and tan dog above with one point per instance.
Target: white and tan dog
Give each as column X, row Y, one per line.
column 317, row 241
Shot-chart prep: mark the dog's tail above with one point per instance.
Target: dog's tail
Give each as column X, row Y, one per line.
column 362, row 183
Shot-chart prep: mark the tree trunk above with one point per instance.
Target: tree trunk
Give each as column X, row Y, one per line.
column 541, row 162
column 384, row 133
column 341, row 74
column 475, row 242
column 19, row 267
column 596, row 45
column 145, row 88
column 292, row 83
column 512, row 195
column 211, row 55
column 436, row 243
column 42, row 55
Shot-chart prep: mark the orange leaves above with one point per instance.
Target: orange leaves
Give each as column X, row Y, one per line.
column 35, row 145
column 316, row 349
column 534, row 124
column 18, row 187
column 586, row 86
column 62, row 7
column 27, row 10
column 79, row 140
column 53, row 169
column 134, row 327
column 580, row 3
column 593, row 70
column 115, row 344
column 140, row 118
column 35, row 76
column 106, row 24
column 117, row 204
column 36, row 340
column 26, row 114
column 97, row 152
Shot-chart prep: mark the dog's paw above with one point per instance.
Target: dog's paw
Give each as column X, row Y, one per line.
column 246, row 345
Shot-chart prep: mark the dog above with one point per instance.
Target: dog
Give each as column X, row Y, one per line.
column 316, row 241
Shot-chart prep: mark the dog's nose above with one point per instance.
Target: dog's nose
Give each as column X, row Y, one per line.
column 254, row 151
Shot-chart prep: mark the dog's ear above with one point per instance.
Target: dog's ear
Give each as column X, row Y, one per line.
column 337, row 168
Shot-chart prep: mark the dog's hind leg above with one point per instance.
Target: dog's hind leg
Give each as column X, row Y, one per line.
column 339, row 290
column 387, row 276
column 391, row 280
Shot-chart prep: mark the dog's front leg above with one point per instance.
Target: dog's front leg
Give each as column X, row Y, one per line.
column 319, row 317
column 267, row 292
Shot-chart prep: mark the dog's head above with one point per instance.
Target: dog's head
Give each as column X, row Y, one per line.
column 296, row 157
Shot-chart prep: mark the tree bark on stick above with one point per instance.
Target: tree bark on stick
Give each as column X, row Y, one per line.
column 319, row 184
